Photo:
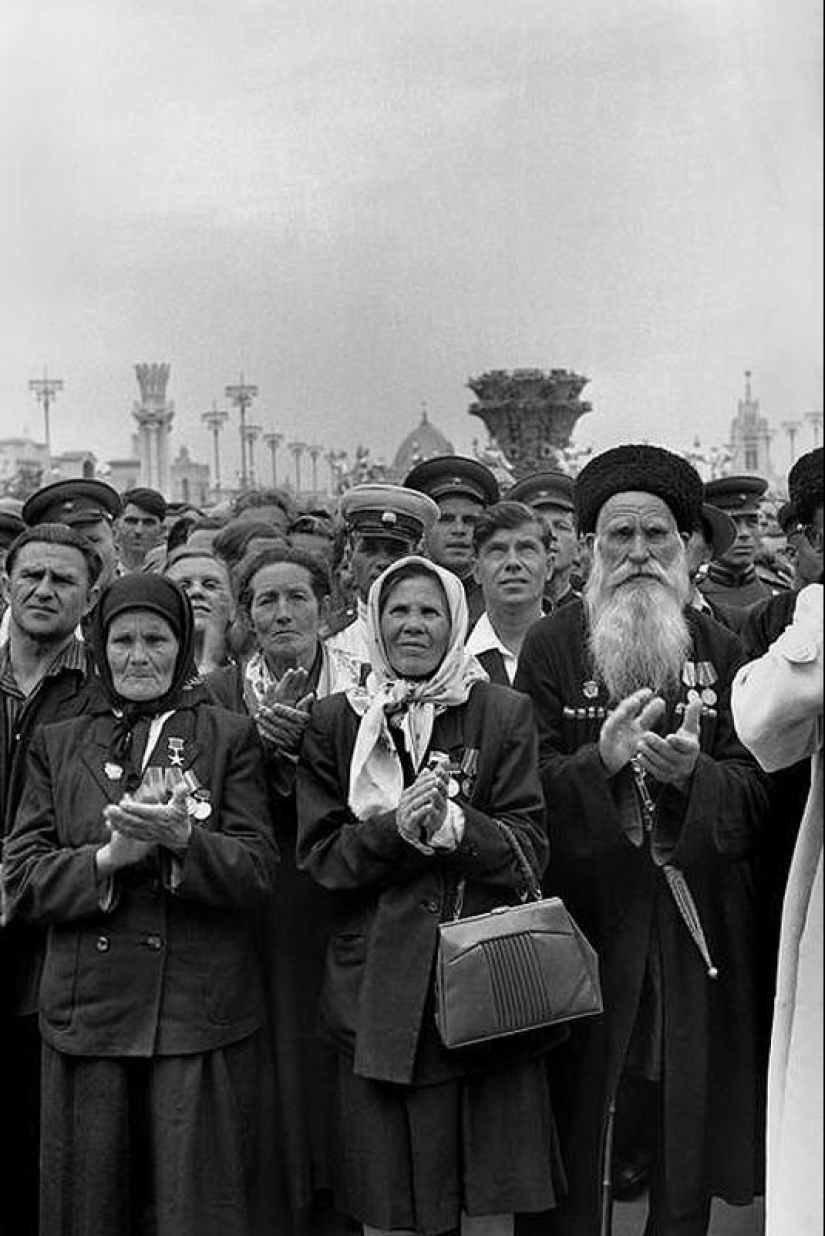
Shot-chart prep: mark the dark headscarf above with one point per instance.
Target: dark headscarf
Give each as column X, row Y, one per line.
column 142, row 591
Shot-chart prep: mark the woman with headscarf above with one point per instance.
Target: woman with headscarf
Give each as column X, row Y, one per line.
column 283, row 596
column 143, row 841
column 401, row 786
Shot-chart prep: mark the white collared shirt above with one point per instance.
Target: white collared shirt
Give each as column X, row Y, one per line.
column 483, row 638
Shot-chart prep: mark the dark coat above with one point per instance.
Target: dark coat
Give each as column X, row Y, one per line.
column 391, row 897
column 294, row 930
column 711, row 1066
column 170, row 968
column 57, row 698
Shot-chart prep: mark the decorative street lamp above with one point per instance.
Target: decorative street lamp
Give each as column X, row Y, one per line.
column 215, row 419
column 241, row 395
column 46, row 389
column 253, row 432
column 815, row 419
column 273, row 440
column 297, row 449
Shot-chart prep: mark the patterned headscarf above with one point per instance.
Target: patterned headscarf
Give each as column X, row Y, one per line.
column 410, row 705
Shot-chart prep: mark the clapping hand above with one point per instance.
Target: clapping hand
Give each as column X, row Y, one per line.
column 284, row 713
column 672, row 759
column 422, row 807
column 624, row 728
column 152, row 823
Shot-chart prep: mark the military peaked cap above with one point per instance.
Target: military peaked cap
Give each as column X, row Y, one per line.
column 445, row 475
column 79, row 501
column 389, row 511
column 739, row 495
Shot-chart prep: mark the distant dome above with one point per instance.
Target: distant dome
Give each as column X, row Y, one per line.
column 424, row 442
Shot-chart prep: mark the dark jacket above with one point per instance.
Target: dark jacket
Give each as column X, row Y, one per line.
column 378, row 989
column 56, row 698
column 611, row 879
column 170, row 968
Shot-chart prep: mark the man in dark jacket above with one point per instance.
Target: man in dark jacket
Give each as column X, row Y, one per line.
column 654, row 811
column 49, row 584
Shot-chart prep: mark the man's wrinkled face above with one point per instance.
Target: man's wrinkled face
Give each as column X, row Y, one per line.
column 48, row 590
column 450, row 540
column 636, row 540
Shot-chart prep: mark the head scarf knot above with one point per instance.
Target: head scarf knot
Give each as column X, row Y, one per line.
column 409, row 705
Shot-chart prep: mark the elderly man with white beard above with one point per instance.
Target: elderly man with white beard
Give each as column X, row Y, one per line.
column 655, row 814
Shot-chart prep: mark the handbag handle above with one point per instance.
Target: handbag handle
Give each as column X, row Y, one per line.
column 530, row 877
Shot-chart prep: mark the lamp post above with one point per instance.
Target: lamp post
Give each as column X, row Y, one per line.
column 241, row 395
column 315, row 453
column 273, row 440
column 253, row 432
column 297, row 449
column 215, row 419
column 792, row 428
column 45, row 390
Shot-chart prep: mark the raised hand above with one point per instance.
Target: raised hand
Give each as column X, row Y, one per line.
column 624, row 727
column 672, row 759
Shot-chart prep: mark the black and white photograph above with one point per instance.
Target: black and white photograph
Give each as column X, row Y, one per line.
column 411, row 618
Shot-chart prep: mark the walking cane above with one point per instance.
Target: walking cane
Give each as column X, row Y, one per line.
column 606, row 1225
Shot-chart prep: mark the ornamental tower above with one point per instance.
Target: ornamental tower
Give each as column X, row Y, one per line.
column 154, row 414
column 529, row 414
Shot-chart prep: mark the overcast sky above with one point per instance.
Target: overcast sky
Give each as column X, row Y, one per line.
column 360, row 203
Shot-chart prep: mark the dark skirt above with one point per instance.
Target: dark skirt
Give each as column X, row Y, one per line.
column 417, row 1156
column 167, row 1146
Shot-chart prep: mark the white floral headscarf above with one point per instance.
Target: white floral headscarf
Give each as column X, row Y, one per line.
column 376, row 775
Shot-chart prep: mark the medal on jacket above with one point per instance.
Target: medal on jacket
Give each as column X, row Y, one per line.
column 113, row 771
column 175, row 749
column 197, row 801
column 468, row 770
column 590, row 689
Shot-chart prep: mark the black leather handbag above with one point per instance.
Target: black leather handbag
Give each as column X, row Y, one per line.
column 513, row 969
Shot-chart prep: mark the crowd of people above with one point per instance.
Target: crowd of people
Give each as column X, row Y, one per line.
column 253, row 756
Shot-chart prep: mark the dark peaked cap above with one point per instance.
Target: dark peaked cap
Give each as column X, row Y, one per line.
column 805, row 484
column 737, row 494
column 79, row 501
column 643, row 469
column 548, row 488
column 388, row 511
column 444, row 475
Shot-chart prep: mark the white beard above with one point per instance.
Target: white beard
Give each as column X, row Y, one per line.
column 639, row 635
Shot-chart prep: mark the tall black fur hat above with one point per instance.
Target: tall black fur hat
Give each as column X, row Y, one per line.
column 805, row 484
column 643, row 468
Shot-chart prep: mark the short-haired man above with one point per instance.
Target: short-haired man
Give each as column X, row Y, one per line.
column 513, row 547
column 657, row 813
column 462, row 487
column 50, row 584
column 551, row 492
column 384, row 523
column 140, row 526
